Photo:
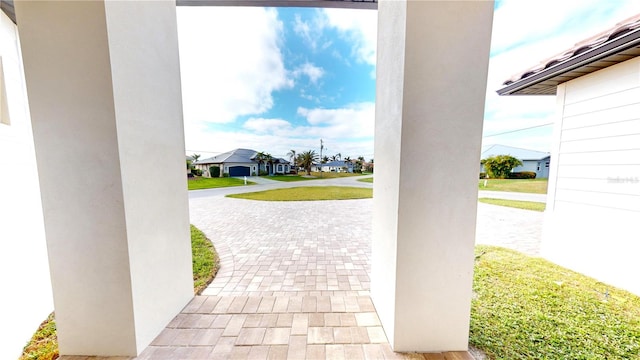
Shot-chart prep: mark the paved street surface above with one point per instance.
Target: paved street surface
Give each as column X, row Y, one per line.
column 294, row 281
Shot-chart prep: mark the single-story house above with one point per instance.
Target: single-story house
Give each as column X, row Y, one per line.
column 242, row 162
column 593, row 202
column 335, row 166
column 534, row 161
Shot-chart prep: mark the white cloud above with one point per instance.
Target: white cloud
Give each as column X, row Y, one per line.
column 309, row 31
column 348, row 130
column 261, row 125
column 360, row 27
column 313, row 72
column 230, row 61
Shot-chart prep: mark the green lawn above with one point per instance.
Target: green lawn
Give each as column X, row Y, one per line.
column 198, row 183
column 537, row 186
column 44, row 343
column 205, row 262
column 288, row 178
column 308, row 193
column 528, row 308
column 527, row 205
column 367, row 180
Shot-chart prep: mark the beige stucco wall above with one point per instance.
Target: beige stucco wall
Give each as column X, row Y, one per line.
column 431, row 84
column 118, row 243
column 24, row 267
column 593, row 200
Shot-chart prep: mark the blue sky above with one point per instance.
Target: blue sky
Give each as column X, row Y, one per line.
column 282, row 78
column 278, row 79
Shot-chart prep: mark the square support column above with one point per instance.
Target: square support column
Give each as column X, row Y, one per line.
column 431, row 82
column 104, row 91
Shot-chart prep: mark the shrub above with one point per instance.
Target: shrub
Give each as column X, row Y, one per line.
column 278, row 174
column 196, row 172
column 522, row 175
column 253, row 173
column 500, row 166
column 214, row 171
column 263, row 173
column 483, row 175
column 225, row 175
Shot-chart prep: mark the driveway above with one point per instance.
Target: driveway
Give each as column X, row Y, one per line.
column 294, row 281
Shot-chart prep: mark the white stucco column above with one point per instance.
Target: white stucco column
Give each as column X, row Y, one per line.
column 104, row 91
column 431, row 83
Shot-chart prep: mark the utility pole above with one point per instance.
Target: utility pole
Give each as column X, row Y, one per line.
column 321, row 147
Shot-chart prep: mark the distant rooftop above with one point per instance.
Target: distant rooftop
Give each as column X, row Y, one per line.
column 518, row 153
column 615, row 45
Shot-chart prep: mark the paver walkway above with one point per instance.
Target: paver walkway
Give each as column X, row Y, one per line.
column 294, row 283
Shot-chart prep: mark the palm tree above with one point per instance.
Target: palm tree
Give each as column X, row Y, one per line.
column 338, row 156
column 259, row 157
column 334, row 158
column 359, row 163
column 306, row 159
column 325, row 159
column 195, row 157
column 269, row 159
column 292, row 155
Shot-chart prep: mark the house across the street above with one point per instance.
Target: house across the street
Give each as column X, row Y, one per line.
column 335, row 166
column 534, row 161
column 593, row 201
column 241, row 162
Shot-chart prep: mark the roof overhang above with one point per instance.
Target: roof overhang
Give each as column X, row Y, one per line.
column 344, row 4
column 545, row 81
column 7, row 5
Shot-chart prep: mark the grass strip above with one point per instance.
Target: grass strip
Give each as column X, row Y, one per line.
column 308, row 193
column 289, row 178
column 205, row 263
column 535, row 186
column 529, row 308
column 367, row 180
column 518, row 204
column 199, row 183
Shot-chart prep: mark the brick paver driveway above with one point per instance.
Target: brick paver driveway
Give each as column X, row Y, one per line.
column 294, row 283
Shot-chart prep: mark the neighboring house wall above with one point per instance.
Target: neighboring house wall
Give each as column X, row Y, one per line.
column 540, row 167
column 24, row 266
column 593, row 203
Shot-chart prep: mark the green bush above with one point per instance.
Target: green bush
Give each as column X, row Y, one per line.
column 499, row 166
column 196, row 172
column 483, row 175
column 253, row 173
column 225, row 175
column 263, row 173
column 522, row 175
column 214, row 171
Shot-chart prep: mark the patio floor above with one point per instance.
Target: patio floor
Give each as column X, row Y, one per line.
column 293, row 284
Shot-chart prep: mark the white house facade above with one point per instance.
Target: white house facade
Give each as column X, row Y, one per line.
column 593, row 202
column 334, row 166
column 24, row 266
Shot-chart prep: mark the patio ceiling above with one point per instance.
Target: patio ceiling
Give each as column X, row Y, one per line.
column 8, row 8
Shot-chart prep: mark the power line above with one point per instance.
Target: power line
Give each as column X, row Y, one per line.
column 516, row 130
